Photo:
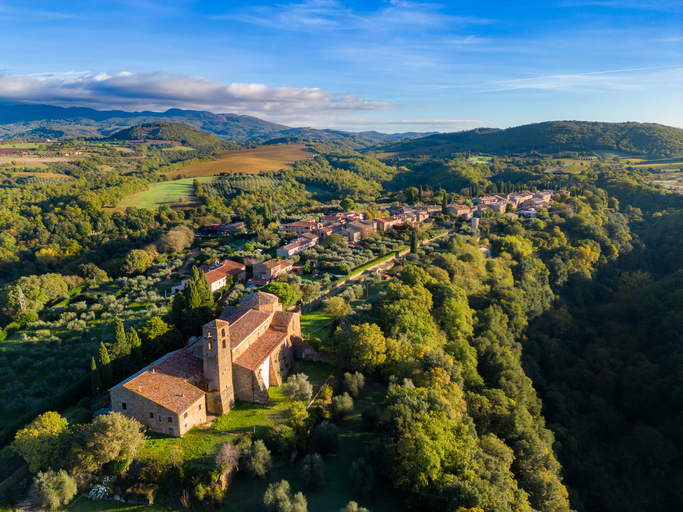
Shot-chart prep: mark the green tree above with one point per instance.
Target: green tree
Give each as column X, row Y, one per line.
column 175, row 315
column 313, row 471
column 257, row 459
column 96, row 382
column 353, row 383
column 362, row 478
column 106, row 371
column 325, row 439
column 135, row 345
column 352, row 506
column 279, row 498
column 362, row 348
column 111, row 438
column 54, row 489
column 297, row 387
column 413, row 243
column 41, row 442
column 337, row 307
column 342, row 407
column 136, row 261
column 284, row 292
column 298, row 417
column 158, row 338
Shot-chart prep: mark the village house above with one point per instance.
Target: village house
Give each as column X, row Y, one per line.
column 305, row 241
column 269, row 270
column 458, row 209
column 240, row 355
column 301, row 226
column 217, row 275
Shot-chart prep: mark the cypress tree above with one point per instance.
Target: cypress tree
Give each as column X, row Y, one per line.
column 106, row 372
column 121, row 346
column 193, row 299
column 205, row 292
column 135, row 347
column 175, row 315
column 413, row 244
column 95, row 375
column 444, row 204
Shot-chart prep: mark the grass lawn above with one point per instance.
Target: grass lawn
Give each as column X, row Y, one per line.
column 312, row 323
column 167, row 192
column 246, row 414
column 82, row 504
column 196, row 444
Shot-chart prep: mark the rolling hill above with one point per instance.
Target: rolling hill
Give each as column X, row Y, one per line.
column 40, row 121
column 173, row 132
column 652, row 140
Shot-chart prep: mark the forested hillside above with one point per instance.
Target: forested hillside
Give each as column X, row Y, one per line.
column 551, row 137
column 173, row 132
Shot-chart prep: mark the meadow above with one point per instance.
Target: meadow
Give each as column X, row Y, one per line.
column 271, row 158
column 176, row 194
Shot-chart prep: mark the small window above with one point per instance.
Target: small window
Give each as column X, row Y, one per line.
column 185, row 425
column 223, row 333
column 161, row 418
column 200, row 407
column 170, row 419
column 185, row 415
column 151, row 415
column 210, row 346
column 223, row 343
column 123, row 405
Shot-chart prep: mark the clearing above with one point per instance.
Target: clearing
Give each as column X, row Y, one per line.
column 167, row 192
column 272, row 158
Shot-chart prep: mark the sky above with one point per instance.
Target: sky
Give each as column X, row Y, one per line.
column 390, row 66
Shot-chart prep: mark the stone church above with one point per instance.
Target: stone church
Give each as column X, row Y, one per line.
column 240, row 355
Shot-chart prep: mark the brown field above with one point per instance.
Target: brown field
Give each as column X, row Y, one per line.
column 8, row 159
column 251, row 161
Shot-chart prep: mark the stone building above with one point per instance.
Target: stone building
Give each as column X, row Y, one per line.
column 240, row 355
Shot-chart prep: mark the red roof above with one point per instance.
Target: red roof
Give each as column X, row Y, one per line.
column 258, row 351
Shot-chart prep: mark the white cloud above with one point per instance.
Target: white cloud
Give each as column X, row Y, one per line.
column 160, row 91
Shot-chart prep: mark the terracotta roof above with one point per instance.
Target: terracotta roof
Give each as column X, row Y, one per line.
column 252, row 358
column 245, row 325
column 232, row 313
column 167, row 384
column 227, row 268
column 258, row 299
column 282, row 318
column 268, row 264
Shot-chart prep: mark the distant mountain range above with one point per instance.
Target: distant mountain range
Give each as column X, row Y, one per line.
column 653, row 140
column 56, row 122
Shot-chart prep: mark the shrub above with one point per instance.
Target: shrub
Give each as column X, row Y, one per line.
column 342, row 407
column 353, row 507
column 362, row 477
column 283, row 440
column 326, row 393
column 54, row 489
column 371, row 417
column 278, row 498
column 227, row 457
column 353, row 383
column 313, row 471
column 257, row 459
column 298, row 387
column 325, row 439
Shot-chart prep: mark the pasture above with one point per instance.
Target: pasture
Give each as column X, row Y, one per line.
column 252, row 161
column 24, row 145
column 176, row 194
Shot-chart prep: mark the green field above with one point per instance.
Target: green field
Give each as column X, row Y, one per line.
column 480, row 159
column 179, row 148
column 167, row 192
column 27, row 145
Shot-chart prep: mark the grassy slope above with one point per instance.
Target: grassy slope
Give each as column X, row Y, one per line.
column 167, row 192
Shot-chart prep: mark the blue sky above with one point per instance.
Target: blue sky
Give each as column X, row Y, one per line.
column 392, row 66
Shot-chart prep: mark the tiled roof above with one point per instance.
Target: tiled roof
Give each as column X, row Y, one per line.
column 252, row 358
column 170, row 392
column 245, row 325
column 282, row 318
column 259, row 299
column 231, row 313
column 227, row 268
column 167, row 384
column 268, row 264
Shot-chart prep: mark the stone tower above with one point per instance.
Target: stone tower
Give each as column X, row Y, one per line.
column 220, row 397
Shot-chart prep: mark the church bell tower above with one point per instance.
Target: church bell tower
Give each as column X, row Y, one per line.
column 218, row 367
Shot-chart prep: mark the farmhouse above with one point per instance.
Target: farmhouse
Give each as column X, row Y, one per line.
column 305, row 241
column 240, row 355
column 269, row 270
column 217, row 275
column 302, row 226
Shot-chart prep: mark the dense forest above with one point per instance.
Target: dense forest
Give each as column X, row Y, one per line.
column 553, row 137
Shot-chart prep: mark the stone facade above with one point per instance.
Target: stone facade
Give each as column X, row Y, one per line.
column 240, row 355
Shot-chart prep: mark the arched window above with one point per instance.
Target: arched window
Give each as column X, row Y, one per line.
column 223, row 343
column 208, row 334
column 210, row 346
column 223, row 332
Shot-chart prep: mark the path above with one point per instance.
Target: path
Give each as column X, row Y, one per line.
column 185, row 269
